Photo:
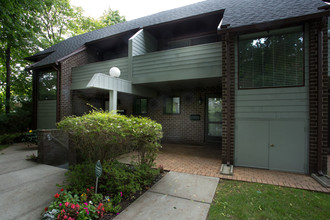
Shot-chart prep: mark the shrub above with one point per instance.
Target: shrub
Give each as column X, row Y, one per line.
column 116, row 177
column 18, row 120
column 10, row 138
column 104, row 136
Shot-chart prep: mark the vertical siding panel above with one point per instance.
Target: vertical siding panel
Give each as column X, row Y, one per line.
column 46, row 114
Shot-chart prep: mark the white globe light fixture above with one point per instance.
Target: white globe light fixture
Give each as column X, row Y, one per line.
column 114, row 72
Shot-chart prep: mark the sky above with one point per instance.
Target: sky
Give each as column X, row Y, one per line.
column 131, row 9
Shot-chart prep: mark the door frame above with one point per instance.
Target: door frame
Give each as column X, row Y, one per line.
column 207, row 138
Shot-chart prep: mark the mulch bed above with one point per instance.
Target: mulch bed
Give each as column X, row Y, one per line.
column 126, row 202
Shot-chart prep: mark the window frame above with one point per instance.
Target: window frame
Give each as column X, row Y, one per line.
column 171, row 113
column 38, row 85
column 274, row 32
column 140, row 110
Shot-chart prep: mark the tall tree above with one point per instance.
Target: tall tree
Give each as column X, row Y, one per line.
column 17, row 28
column 27, row 26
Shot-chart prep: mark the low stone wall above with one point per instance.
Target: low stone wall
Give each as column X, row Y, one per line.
column 53, row 147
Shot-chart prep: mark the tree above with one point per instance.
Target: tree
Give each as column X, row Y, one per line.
column 111, row 17
column 17, row 28
column 26, row 27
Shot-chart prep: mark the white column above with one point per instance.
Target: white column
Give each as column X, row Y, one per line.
column 112, row 100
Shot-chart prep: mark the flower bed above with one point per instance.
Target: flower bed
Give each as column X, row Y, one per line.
column 119, row 186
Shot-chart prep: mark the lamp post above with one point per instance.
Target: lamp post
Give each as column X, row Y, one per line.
column 114, row 72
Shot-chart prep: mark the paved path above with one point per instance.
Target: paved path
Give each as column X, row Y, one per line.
column 26, row 187
column 176, row 196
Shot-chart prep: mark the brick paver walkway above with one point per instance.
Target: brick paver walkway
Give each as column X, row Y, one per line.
column 205, row 161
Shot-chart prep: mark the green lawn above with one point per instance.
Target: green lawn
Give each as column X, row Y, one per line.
column 242, row 200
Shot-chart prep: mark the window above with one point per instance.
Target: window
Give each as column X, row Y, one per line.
column 141, row 106
column 271, row 61
column 172, row 105
column 47, row 86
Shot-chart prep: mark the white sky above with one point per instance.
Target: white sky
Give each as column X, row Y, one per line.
column 131, row 9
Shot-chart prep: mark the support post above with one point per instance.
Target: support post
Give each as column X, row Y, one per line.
column 113, row 100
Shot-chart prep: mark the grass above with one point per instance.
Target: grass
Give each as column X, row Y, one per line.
column 242, row 200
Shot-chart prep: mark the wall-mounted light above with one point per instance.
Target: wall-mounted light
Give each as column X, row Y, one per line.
column 200, row 100
column 114, row 72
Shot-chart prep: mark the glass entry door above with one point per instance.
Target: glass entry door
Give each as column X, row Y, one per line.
column 213, row 119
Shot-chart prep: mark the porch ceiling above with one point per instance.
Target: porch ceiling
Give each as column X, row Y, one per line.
column 184, row 84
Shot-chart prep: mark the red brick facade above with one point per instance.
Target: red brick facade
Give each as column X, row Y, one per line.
column 179, row 128
column 314, row 28
column 228, row 100
column 65, row 95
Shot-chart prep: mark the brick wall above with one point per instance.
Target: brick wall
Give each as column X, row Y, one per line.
column 65, row 96
column 178, row 128
column 228, row 102
column 314, row 27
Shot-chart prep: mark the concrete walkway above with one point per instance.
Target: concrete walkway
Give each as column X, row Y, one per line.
column 26, row 187
column 175, row 196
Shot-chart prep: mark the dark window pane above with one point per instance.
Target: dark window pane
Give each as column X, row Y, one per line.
column 141, row 106
column 273, row 61
column 172, row 105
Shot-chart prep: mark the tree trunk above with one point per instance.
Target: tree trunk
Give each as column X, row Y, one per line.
column 8, row 73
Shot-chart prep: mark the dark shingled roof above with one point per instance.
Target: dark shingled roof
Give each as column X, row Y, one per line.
column 237, row 13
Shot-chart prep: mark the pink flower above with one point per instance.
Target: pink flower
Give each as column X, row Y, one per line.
column 77, row 206
column 85, row 203
column 67, row 204
column 60, row 204
column 117, row 213
column 86, row 209
column 73, row 206
column 121, row 194
column 65, row 217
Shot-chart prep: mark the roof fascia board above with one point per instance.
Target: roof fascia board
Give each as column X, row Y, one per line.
column 34, row 57
column 184, row 19
column 71, row 54
column 112, row 36
column 272, row 24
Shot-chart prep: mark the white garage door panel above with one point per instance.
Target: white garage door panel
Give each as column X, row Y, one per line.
column 287, row 150
column 252, row 141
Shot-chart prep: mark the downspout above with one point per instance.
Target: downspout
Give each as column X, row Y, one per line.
column 58, row 116
column 34, row 99
column 319, row 99
column 228, row 98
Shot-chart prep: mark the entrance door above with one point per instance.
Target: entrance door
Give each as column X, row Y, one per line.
column 213, row 119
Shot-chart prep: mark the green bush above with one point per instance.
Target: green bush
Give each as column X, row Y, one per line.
column 11, row 138
column 104, row 136
column 115, row 178
column 19, row 120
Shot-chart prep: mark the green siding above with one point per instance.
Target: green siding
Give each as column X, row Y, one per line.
column 46, row 114
column 201, row 61
column 142, row 43
column 81, row 75
column 271, row 125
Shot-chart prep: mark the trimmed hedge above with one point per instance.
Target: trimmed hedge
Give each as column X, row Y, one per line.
column 104, row 136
